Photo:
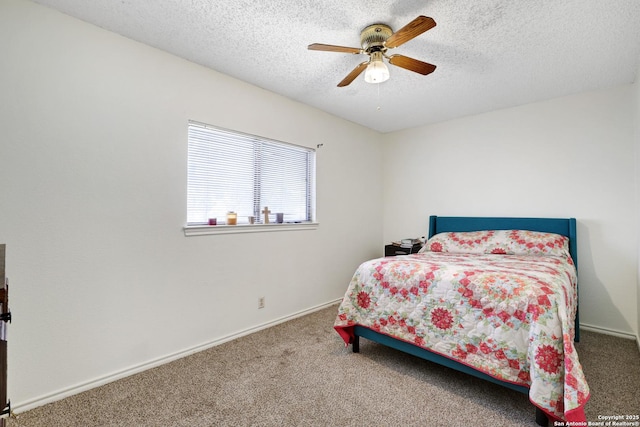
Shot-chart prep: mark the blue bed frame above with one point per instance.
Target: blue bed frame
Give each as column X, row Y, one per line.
column 441, row 224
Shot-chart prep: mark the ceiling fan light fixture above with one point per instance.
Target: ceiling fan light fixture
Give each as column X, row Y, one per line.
column 377, row 71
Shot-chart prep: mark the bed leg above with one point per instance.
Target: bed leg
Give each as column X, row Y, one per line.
column 356, row 344
column 541, row 418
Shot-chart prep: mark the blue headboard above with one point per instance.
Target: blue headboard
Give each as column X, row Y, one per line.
column 563, row 226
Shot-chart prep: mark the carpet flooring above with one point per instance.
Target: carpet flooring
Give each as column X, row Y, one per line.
column 299, row 373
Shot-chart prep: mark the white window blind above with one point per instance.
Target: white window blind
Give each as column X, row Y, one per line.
column 232, row 171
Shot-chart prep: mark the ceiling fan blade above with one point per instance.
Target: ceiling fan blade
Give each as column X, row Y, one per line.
column 353, row 74
column 332, row 48
column 411, row 64
column 409, row 31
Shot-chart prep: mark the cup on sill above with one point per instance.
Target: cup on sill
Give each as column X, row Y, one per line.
column 279, row 218
column 213, row 221
column 252, row 219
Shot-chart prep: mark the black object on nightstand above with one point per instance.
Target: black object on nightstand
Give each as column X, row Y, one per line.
column 393, row 250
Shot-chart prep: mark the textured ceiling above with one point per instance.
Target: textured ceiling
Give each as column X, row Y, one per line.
column 490, row 54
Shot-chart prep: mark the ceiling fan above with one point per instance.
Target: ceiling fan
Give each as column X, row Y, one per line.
column 376, row 40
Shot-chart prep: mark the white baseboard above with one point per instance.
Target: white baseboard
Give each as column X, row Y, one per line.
column 607, row 331
column 70, row 391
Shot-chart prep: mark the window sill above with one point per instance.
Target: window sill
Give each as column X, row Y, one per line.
column 202, row 230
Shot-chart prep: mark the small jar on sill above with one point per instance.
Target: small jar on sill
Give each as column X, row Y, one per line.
column 232, row 218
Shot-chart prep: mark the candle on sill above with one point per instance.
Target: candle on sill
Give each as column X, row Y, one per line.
column 232, row 218
column 213, row 221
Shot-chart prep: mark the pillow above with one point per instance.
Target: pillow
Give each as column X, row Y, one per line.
column 525, row 242
column 469, row 242
column 507, row 242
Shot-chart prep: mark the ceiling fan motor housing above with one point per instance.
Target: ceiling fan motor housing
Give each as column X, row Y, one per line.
column 372, row 38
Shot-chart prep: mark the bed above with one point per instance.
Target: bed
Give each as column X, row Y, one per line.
column 492, row 297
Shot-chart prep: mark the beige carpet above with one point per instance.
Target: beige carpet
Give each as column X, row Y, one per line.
column 300, row 374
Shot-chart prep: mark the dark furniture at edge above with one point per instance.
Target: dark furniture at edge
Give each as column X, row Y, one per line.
column 5, row 316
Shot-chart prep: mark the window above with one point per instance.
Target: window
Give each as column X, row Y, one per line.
column 232, row 171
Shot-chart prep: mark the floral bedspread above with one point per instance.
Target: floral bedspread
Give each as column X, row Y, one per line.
column 511, row 317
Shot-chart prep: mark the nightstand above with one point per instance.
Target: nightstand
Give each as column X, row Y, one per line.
column 393, row 250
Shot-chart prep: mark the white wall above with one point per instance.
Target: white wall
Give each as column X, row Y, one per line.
column 93, row 131
column 568, row 157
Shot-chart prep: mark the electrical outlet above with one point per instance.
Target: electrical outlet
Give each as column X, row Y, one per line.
column 261, row 302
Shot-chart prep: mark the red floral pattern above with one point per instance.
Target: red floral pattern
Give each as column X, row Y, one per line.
column 441, row 318
column 364, row 300
column 549, row 359
column 499, row 314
